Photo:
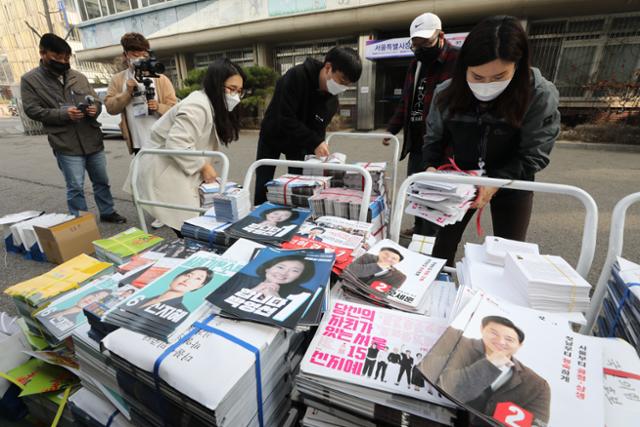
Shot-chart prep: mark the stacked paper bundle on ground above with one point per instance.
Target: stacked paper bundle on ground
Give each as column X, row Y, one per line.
column 620, row 315
column 169, row 305
column 438, row 202
column 24, row 235
column 295, row 190
column 345, row 203
column 361, row 367
column 207, row 229
column 121, row 247
column 548, row 281
column 392, row 276
column 377, row 170
column 188, row 386
column 337, row 177
column 91, row 409
column 35, row 294
column 231, row 205
column 208, row 191
column 8, row 220
column 269, row 223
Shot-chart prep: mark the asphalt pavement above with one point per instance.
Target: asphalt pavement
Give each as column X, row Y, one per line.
column 30, row 179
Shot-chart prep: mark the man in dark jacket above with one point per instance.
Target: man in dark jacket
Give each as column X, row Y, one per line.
column 304, row 102
column 434, row 63
column 64, row 102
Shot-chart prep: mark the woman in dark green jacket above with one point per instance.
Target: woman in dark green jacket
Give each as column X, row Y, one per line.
column 496, row 114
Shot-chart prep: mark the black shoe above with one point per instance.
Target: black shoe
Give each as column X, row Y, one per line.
column 113, row 218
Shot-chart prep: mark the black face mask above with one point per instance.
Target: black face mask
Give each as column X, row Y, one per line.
column 427, row 55
column 58, row 67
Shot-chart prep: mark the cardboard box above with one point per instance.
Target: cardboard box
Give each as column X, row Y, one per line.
column 69, row 239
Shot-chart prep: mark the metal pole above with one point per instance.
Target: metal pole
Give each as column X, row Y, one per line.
column 47, row 15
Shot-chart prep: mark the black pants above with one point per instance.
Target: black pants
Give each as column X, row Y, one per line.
column 510, row 215
column 368, row 367
column 421, row 226
column 381, row 369
column 264, row 174
column 404, row 370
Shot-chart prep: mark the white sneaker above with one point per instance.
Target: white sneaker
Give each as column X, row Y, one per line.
column 156, row 224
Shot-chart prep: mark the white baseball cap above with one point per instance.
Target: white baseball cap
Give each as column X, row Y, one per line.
column 425, row 26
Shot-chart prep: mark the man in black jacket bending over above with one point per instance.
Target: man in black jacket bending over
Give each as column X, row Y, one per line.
column 303, row 104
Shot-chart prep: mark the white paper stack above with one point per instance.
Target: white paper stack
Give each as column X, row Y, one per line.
column 422, row 244
column 439, row 202
column 207, row 229
column 548, row 281
column 207, row 191
column 377, row 170
column 231, row 205
column 92, row 409
column 337, row 177
column 295, row 190
column 8, row 220
column 497, row 248
column 24, row 234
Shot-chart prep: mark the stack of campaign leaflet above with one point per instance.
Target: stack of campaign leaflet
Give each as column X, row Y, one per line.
column 207, row 229
column 35, row 294
column 121, row 247
column 313, row 236
column 503, row 362
column 392, row 276
column 439, row 202
column 208, row 191
column 169, row 305
column 337, row 177
column 285, row 288
column 362, row 368
column 222, row 372
column 620, row 314
column 231, row 205
column 516, row 272
column 422, row 244
column 295, row 190
column 269, row 223
column 377, row 170
column 91, row 409
column 10, row 219
column 366, row 230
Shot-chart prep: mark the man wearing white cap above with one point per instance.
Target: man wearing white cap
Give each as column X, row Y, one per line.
column 433, row 64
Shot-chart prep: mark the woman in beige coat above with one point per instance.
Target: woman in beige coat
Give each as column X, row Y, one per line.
column 201, row 121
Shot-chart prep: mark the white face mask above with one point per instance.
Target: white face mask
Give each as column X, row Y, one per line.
column 231, row 100
column 335, row 88
column 488, row 91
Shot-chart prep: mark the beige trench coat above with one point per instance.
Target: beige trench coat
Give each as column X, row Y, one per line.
column 187, row 126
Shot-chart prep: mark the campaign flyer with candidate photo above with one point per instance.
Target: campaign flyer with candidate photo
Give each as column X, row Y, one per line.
column 278, row 287
column 269, row 223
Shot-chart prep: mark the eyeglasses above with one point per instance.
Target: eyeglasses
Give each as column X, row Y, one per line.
column 234, row 91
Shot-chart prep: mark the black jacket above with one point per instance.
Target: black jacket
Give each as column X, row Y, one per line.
column 508, row 152
column 299, row 113
column 44, row 99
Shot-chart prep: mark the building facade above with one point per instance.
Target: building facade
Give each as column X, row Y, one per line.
column 578, row 53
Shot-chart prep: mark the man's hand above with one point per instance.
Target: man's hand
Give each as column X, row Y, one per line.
column 498, row 358
column 75, row 114
column 132, row 86
column 92, row 110
column 208, row 173
column 484, row 196
column 386, row 141
column 152, row 104
column 322, row 150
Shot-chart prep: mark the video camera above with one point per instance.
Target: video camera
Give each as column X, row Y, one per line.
column 145, row 70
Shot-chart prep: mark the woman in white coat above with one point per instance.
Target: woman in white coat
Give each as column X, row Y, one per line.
column 201, row 121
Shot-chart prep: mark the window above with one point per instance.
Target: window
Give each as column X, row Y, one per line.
column 619, row 66
column 91, row 9
column 122, row 5
column 242, row 57
column 574, row 70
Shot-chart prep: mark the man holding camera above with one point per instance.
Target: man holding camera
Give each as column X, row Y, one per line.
column 129, row 97
column 139, row 106
column 63, row 100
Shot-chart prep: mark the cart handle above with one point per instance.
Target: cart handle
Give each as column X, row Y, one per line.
column 366, row 194
column 590, row 228
column 616, row 241
column 396, row 151
column 135, row 166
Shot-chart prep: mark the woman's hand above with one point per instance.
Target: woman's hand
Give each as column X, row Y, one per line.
column 484, row 196
column 208, row 173
column 267, row 289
